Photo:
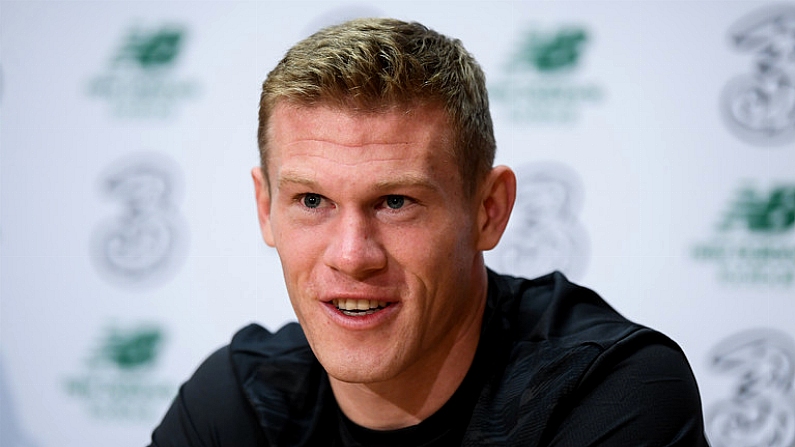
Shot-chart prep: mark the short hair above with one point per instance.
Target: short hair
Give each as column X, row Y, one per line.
column 375, row 65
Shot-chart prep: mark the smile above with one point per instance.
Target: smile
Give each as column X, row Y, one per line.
column 358, row 308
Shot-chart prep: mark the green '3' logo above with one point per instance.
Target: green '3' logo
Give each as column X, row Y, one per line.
column 553, row 53
column 151, row 50
column 772, row 214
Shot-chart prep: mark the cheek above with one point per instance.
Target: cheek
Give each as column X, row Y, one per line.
column 294, row 240
column 297, row 258
column 301, row 255
column 430, row 253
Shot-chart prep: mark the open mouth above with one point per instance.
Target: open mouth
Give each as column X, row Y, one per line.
column 359, row 308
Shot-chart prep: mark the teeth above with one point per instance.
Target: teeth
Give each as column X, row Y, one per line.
column 352, row 307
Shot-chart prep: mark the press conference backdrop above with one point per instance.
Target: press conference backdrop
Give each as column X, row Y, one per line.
column 654, row 144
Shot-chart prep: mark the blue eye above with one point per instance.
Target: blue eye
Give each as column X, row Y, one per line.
column 395, row 202
column 311, row 200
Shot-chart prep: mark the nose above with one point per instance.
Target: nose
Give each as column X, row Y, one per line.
column 355, row 250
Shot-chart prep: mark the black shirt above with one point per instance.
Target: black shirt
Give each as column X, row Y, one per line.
column 555, row 366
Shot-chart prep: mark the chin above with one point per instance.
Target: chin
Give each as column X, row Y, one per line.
column 353, row 368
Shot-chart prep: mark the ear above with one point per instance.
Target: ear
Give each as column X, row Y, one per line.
column 497, row 195
column 263, row 197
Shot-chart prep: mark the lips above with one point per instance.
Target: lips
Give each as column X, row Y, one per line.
column 357, row 307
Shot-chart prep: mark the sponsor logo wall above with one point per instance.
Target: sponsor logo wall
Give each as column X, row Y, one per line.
column 542, row 80
column 754, row 240
column 13, row 434
column 654, row 144
column 759, row 105
column 545, row 232
column 119, row 379
column 139, row 81
column 146, row 242
column 760, row 409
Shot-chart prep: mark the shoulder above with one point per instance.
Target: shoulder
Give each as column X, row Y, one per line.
column 283, row 382
column 218, row 405
column 573, row 359
column 210, row 409
column 556, row 324
column 566, row 320
column 272, row 364
column 636, row 393
column 553, row 308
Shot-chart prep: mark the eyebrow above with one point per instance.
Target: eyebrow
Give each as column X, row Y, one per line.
column 410, row 179
column 291, row 177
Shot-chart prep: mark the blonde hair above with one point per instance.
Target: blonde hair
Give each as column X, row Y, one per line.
column 375, row 65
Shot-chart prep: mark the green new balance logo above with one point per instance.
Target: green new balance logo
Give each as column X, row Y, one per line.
column 553, row 53
column 120, row 380
column 543, row 81
column 151, row 50
column 754, row 242
column 773, row 213
column 142, row 79
column 131, row 350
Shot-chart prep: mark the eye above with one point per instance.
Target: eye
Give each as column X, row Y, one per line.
column 312, row 200
column 395, row 202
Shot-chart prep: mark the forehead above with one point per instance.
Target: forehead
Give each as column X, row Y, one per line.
column 350, row 137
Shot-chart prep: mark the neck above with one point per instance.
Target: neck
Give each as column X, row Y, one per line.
column 421, row 390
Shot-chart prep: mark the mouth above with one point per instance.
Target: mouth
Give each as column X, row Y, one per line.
column 359, row 308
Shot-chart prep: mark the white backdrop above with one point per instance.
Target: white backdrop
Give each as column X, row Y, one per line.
column 655, row 144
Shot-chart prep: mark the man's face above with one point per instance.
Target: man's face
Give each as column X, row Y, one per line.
column 377, row 240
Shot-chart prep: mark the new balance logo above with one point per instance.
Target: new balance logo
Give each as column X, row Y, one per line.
column 150, row 50
column 556, row 52
column 771, row 213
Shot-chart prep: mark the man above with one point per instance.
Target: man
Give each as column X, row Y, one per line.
column 376, row 187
